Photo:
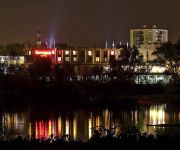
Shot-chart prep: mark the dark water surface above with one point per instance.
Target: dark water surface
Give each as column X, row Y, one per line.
column 43, row 121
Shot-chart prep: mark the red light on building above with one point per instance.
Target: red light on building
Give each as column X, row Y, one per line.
column 55, row 55
column 43, row 52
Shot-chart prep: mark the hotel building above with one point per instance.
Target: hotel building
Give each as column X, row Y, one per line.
column 147, row 39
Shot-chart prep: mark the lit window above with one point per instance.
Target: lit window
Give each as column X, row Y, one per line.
column 53, row 52
column 74, row 52
column 66, row 58
column 74, row 58
column 66, row 52
column 90, row 53
column 97, row 59
column 112, row 52
column 59, row 59
column 29, row 52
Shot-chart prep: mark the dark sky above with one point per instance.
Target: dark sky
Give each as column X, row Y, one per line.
column 85, row 22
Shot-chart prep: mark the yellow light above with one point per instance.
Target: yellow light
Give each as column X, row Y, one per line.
column 97, row 121
column 66, row 52
column 75, row 128
column 90, row 53
column 107, row 119
column 74, row 52
column 67, row 126
column 50, row 128
column 112, row 52
column 97, row 59
column 30, row 129
column 90, row 127
column 59, row 126
column 157, row 115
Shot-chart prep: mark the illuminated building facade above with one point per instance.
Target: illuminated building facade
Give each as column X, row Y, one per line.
column 53, row 54
column 147, row 39
column 89, row 56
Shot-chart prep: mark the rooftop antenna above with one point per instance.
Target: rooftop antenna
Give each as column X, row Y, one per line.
column 106, row 44
column 113, row 45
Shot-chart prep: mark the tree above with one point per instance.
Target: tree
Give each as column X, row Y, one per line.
column 14, row 49
column 168, row 54
column 124, row 67
column 135, row 57
column 59, row 72
column 2, row 50
column 69, row 71
column 40, row 68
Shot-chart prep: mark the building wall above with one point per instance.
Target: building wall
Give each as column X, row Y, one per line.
column 146, row 50
column 147, row 39
column 90, row 56
column 139, row 37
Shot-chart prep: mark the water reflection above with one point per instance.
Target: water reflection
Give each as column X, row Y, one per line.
column 13, row 124
column 80, row 124
column 157, row 114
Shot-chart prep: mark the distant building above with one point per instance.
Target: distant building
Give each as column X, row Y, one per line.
column 65, row 54
column 12, row 60
column 88, row 56
column 147, row 39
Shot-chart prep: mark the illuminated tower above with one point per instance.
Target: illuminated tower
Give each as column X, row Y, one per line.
column 38, row 38
column 147, row 39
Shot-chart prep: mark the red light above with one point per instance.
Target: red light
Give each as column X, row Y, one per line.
column 43, row 52
column 55, row 55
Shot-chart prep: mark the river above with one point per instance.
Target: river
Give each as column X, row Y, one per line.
column 79, row 123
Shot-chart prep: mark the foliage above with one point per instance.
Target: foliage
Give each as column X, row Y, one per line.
column 40, row 68
column 123, row 68
column 14, row 49
column 168, row 54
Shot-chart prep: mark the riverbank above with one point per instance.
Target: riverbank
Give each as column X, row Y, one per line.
column 126, row 140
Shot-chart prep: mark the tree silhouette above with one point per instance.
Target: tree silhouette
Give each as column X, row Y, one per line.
column 41, row 68
column 123, row 68
column 168, row 54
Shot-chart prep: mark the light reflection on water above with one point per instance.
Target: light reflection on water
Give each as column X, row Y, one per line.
column 79, row 124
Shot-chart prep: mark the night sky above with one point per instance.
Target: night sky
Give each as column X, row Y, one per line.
column 85, row 22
